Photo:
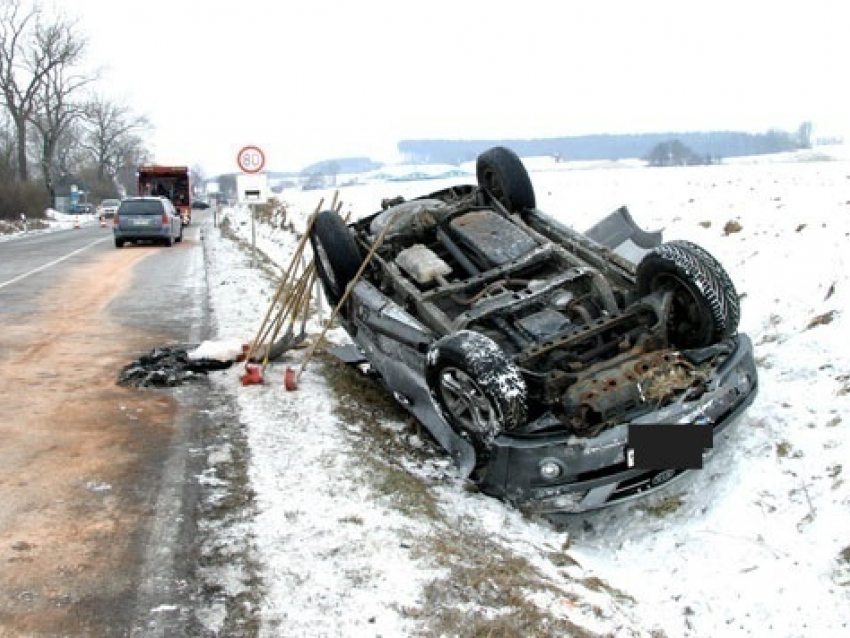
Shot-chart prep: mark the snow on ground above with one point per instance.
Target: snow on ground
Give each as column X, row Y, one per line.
column 760, row 540
column 756, row 542
column 344, row 551
column 55, row 221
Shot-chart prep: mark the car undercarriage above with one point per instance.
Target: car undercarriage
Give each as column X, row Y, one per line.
column 527, row 348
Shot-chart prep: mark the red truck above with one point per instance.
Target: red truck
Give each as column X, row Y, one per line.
column 167, row 181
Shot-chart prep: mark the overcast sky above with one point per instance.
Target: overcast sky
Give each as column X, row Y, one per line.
column 308, row 80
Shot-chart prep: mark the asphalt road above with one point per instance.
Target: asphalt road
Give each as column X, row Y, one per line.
column 98, row 502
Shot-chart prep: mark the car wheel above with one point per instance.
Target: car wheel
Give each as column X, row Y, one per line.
column 501, row 172
column 336, row 254
column 705, row 307
column 479, row 390
column 169, row 241
column 119, row 243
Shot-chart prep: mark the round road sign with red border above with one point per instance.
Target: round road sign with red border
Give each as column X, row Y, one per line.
column 251, row 159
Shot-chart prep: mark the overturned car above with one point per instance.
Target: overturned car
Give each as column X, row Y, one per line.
column 528, row 350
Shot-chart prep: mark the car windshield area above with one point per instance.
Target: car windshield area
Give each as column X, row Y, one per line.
column 141, row 207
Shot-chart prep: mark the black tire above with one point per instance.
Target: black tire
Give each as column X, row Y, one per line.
column 169, row 241
column 705, row 306
column 479, row 390
column 336, row 254
column 119, row 243
column 501, row 172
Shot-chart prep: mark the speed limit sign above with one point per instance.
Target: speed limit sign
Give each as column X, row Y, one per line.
column 251, row 159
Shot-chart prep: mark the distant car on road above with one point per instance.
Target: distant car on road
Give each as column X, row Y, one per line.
column 147, row 219
column 199, row 204
column 108, row 208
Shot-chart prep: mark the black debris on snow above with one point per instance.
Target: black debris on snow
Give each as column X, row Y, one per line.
column 167, row 367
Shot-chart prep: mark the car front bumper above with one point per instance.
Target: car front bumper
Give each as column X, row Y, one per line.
column 152, row 233
column 594, row 471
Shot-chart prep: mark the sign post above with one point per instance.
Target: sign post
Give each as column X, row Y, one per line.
column 253, row 188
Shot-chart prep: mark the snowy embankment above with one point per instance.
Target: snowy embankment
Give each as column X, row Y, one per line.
column 756, row 542
column 54, row 221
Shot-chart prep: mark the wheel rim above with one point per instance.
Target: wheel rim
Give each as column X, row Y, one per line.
column 466, row 403
column 493, row 184
column 687, row 322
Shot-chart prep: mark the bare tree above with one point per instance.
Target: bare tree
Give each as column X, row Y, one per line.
column 112, row 130
column 196, row 176
column 57, row 110
column 69, row 154
column 674, row 153
column 7, row 149
column 132, row 153
column 30, row 49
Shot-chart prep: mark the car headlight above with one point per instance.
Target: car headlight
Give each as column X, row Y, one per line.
column 550, row 469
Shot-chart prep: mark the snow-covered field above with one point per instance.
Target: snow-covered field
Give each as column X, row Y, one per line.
column 758, row 543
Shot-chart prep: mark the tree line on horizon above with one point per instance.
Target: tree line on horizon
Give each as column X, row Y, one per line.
column 657, row 149
column 698, row 147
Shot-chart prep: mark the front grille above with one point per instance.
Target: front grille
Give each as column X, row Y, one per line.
column 642, row 483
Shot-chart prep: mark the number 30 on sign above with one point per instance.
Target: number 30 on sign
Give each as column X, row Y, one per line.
column 251, row 159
